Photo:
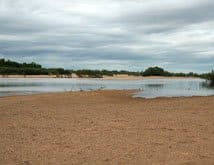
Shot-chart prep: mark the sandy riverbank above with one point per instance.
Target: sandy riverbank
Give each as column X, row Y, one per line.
column 106, row 127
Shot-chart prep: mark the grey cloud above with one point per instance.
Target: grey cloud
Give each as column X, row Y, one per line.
column 109, row 34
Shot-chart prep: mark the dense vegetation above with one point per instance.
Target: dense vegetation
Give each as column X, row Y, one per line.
column 12, row 64
column 8, row 67
column 157, row 71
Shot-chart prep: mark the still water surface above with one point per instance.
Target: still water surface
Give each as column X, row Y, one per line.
column 151, row 88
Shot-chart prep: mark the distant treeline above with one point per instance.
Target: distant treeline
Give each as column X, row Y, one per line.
column 8, row 67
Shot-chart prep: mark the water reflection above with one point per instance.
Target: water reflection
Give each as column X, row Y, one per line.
column 207, row 84
column 154, row 86
column 151, row 88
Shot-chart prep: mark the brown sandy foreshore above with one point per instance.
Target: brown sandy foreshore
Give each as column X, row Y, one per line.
column 106, row 127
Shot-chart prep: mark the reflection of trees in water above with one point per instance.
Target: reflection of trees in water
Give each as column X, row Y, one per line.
column 154, row 86
column 212, row 82
column 20, row 84
column 207, row 84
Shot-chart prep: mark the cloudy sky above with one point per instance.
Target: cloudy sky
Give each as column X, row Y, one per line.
column 109, row 34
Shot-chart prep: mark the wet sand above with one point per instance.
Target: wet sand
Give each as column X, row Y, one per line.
column 106, row 127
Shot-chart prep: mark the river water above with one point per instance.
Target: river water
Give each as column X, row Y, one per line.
column 150, row 88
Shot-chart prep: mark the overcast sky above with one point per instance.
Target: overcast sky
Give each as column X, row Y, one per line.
column 109, row 34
